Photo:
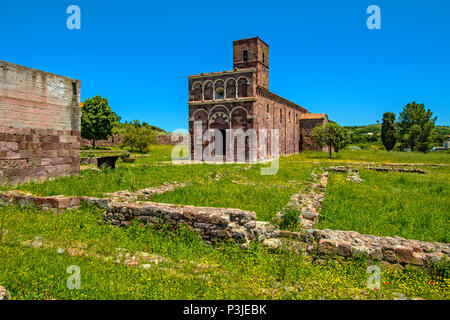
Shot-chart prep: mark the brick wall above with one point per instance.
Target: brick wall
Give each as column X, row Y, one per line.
column 39, row 124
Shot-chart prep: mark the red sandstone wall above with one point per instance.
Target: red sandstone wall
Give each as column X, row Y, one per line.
column 307, row 126
column 39, row 124
column 286, row 121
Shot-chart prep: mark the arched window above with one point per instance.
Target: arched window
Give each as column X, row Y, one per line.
column 268, row 111
column 281, row 115
column 245, row 55
column 264, row 58
column 198, row 92
column 242, row 87
column 208, row 91
column 219, row 90
column 289, row 116
column 219, row 93
column 231, row 89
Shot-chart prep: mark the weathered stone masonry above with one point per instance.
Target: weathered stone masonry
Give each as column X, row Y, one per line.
column 39, row 124
column 240, row 99
column 215, row 224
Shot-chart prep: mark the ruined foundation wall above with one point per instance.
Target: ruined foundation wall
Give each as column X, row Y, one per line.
column 39, row 124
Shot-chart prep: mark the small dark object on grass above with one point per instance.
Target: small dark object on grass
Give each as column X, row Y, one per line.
column 109, row 161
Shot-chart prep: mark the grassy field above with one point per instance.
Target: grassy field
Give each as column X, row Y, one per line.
column 410, row 205
column 236, row 186
column 378, row 156
column 386, row 203
column 188, row 269
column 163, row 153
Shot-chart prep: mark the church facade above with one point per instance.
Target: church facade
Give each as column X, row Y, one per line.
column 239, row 101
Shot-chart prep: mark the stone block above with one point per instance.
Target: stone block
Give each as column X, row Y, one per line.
column 344, row 248
column 327, row 247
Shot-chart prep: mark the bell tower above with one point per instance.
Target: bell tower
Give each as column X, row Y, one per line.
column 253, row 53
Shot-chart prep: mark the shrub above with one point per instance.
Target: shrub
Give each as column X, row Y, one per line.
column 125, row 155
column 139, row 138
column 290, row 218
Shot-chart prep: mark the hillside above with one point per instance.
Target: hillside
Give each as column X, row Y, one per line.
column 371, row 134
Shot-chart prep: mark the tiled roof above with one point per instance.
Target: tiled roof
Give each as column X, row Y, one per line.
column 313, row 116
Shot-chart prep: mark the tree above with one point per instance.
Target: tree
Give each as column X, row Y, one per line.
column 97, row 119
column 412, row 137
column 332, row 135
column 388, row 135
column 426, row 137
column 416, row 125
column 139, row 138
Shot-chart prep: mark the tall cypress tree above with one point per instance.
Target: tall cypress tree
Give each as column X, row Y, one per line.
column 388, row 131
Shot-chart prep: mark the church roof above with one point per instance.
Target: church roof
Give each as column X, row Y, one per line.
column 313, row 116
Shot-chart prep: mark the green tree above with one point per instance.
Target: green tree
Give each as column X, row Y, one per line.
column 426, row 137
column 332, row 135
column 412, row 137
column 388, row 135
column 413, row 113
column 416, row 125
column 97, row 119
column 139, row 138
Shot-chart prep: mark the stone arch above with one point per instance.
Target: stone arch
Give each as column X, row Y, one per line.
column 197, row 82
column 219, row 89
column 230, row 88
column 208, row 90
column 218, row 80
column 237, row 108
column 197, row 89
column 219, row 119
column 199, row 110
column 239, row 122
column 219, row 106
column 242, row 86
column 219, row 114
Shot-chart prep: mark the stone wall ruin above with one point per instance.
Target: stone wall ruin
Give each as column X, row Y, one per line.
column 39, row 124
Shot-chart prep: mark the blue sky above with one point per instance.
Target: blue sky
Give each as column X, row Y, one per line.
column 138, row 54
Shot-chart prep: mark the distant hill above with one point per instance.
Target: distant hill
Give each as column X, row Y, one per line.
column 120, row 128
column 371, row 134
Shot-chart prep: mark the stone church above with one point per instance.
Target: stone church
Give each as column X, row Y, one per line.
column 240, row 99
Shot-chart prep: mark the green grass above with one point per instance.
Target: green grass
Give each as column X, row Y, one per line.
column 242, row 186
column 193, row 270
column 155, row 153
column 385, row 203
column 409, row 205
column 377, row 156
column 229, row 185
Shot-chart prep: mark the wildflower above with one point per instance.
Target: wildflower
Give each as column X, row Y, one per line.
column 431, row 282
column 386, row 283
